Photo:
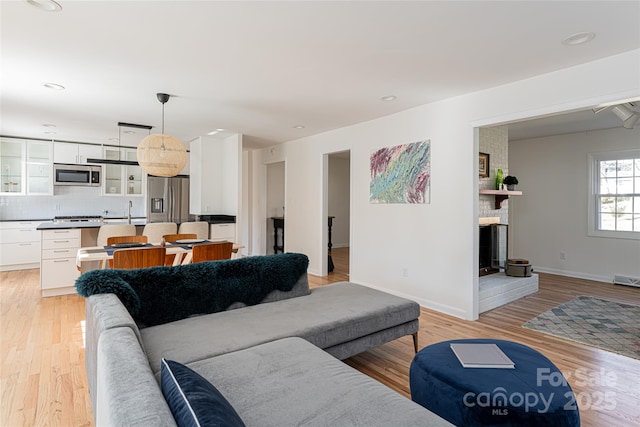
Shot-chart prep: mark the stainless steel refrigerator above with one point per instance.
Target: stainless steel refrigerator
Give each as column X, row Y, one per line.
column 168, row 199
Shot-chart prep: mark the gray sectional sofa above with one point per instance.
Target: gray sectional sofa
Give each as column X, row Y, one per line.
column 274, row 360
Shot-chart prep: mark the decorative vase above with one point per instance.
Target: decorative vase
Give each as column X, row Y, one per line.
column 511, row 187
column 499, row 179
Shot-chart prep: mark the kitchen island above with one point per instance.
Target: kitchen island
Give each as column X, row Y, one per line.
column 53, row 225
column 60, row 242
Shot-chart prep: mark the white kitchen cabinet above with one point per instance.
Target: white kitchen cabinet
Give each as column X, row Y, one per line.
column 19, row 245
column 58, row 271
column 39, row 168
column 220, row 232
column 215, row 170
column 72, row 153
column 26, row 167
column 12, row 171
column 186, row 169
column 120, row 180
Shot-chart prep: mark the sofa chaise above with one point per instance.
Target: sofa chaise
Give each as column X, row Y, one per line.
column 255, row 331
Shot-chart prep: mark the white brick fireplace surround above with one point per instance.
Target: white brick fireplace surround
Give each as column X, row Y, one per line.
column 499, row 289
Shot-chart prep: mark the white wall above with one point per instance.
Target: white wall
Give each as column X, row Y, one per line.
column 231, row 166
column 436, row 243
column 551, row 215
column 216, row 174
column 339, row 199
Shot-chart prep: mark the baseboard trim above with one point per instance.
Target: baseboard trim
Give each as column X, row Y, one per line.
column 15, row 267
column 314, row 272
column 68, row 290
column 432, row 305
column 340, row 245
column 575, row 274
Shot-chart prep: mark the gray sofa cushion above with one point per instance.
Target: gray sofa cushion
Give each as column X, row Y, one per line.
column 127, row 392
column 290, row 382
column 330, row 315
column 103, row 312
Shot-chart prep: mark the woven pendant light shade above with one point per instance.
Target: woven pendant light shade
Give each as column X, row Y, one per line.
column 161, row 155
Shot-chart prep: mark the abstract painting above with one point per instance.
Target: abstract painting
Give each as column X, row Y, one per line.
column 401, row 174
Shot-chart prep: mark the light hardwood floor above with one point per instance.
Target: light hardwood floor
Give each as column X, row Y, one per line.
column 43, row 381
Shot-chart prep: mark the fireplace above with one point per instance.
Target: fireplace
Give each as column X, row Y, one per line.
column 492, row 248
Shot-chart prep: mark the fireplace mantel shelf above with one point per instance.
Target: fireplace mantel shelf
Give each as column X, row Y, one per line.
column 501, row 195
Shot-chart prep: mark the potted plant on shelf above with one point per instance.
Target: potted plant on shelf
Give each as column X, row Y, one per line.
column 510, row 182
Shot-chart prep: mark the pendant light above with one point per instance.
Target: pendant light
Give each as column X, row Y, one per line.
column 161, row 154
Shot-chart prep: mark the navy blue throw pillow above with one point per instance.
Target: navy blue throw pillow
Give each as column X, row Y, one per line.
column 193, row 400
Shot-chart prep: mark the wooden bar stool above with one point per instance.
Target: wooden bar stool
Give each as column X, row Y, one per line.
column 114, row 240
column 170, row 258
column 139, row 257
column 211, row 251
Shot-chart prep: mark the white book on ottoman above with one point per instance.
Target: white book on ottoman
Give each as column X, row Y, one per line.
column 481, row 356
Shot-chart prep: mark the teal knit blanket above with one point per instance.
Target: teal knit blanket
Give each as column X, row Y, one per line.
column 158, row 295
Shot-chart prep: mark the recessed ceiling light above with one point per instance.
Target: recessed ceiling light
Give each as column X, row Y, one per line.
column 298, row 127
column 45, row 5
column 578, row 38
column 213, row 132
column 51, row 132
column 54, row 86
column 129, row 132
column 388, row 98
column 114, row 139
column 48, row 125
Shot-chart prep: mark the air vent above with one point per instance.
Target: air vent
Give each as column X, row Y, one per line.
column 619, row 279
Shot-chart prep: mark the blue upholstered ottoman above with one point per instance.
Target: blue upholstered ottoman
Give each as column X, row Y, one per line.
column 535, row 393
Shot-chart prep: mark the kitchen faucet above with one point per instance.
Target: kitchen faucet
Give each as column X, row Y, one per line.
column 129, row 216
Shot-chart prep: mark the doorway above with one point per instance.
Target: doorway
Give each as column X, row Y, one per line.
column 338, row 205
column 275, row 207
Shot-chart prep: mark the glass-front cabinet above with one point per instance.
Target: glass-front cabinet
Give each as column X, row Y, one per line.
column 12, row 154
column 122, row 179
column 39, row 170
column 26, row 167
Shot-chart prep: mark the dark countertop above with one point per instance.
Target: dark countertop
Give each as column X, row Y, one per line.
column 25, row 220
column 216, row 219
column 50, row 225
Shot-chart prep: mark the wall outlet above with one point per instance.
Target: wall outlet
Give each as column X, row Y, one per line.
column 562, row 255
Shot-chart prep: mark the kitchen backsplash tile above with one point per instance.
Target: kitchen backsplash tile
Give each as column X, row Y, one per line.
column 69, row 201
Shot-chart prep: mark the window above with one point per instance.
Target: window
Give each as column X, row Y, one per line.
column 615, row 194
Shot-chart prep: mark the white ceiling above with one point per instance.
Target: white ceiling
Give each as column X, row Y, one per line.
column 261, row 68
column 561, row 124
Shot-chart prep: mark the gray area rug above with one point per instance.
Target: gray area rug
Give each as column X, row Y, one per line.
column 608, row 325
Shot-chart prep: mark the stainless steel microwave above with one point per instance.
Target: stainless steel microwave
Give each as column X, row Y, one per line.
column 82, row 175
